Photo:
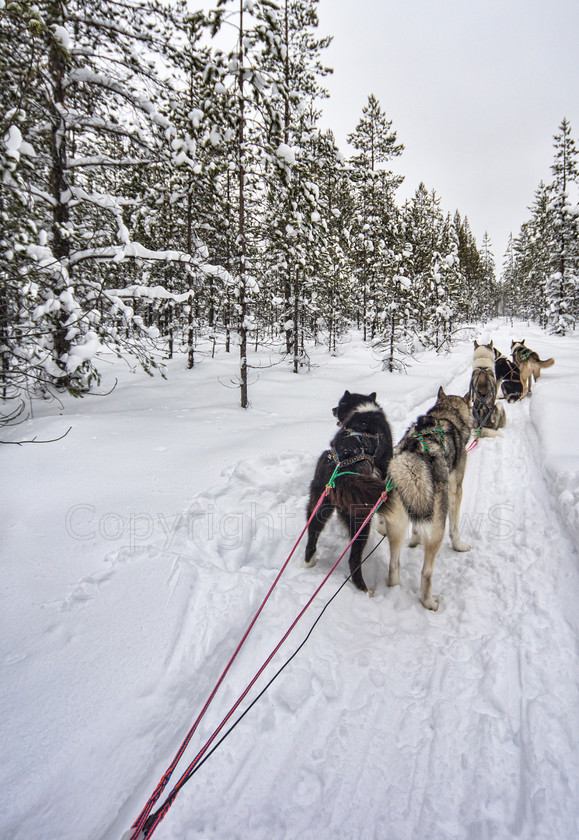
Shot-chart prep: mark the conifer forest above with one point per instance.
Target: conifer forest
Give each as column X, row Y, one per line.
column 165, row 181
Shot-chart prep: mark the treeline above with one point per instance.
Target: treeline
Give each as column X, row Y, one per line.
column 164, row 178
column 541, row 268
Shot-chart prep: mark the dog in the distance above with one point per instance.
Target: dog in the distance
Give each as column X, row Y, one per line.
column 508, row 376
column 428, row 468
column 487, row 415
column 363, row 448
column 529, row 364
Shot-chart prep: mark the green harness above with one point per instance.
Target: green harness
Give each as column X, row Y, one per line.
column 437, row 430
column 363, row 456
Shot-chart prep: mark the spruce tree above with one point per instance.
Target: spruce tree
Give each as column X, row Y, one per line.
column 252, row 90
column 293, row 217
column 95, row 110
column 375, row 143
column 562, row 286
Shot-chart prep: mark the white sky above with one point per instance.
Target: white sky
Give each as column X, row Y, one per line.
column 475, row 90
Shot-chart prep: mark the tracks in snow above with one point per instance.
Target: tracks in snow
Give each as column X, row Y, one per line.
column 400, row 723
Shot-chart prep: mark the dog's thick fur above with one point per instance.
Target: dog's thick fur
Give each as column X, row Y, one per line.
column 487, row 416
column 428, row 469
column 508, row 377
column 364, row 430
column 529, row 364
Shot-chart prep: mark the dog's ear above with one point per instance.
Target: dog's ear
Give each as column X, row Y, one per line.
column 441, row 393
column 373, row 396
column 475, row 344
column 523, row 341
column 513, row 342
column 491, row 345
column 347, row 393
column 466, row 399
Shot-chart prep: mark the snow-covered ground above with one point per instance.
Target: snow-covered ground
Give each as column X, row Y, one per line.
column 136, row 550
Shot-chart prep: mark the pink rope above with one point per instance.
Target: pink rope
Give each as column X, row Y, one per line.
column 172, row 796
column 140, row 821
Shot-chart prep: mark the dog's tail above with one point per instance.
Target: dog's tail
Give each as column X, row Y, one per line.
column 546, row 363
column 413, row 481
column 487, row 433
column 359, row 491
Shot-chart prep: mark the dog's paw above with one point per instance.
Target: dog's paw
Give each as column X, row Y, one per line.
column 371, row 591
column 394, row 579
column 460, row 545
column 431, row 603
column 309, row 564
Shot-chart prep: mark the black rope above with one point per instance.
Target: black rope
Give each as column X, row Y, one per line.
column 200, row 764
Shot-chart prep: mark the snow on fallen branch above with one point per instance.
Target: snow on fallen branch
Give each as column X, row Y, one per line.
column 117, row 253
column 103, row 160
column 149, row 292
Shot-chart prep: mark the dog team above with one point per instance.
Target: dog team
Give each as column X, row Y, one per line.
column 425, row 470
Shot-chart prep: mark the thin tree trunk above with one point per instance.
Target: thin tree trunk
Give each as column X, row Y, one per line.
column 296, row 333
column 290, row 334
column 58, row 183
column 190, row 339
column 242, row 242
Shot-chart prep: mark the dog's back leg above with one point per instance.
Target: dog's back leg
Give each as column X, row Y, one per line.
column 432, row 540
column 393, row 522
column 454, row 502
column 315, row 528
column 354, row 520
column 432, row 543
column 526, row 379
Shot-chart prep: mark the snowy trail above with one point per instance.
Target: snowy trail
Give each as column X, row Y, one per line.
column 434, row 716
column 393, row 722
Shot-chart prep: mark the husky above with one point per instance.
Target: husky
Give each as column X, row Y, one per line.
column 508, row 377
column 427, row 470
column 529, row 364
column 488, row 416
column 361, row 451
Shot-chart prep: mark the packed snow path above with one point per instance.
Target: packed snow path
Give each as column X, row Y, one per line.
column 393, row 723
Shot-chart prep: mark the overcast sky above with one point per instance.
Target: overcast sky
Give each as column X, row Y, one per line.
column 475, row 90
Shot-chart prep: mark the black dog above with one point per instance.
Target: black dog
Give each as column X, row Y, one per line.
column 362, row 449
column 509, row 376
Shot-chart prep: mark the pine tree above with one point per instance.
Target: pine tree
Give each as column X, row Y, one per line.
column 332, row 299
column 543, row 282
column 23, row 360
column 487, row 288
column 94, row 111
column 562, row 287
column 293, row 216
column 535, row 259
column 423, row 224
column 253, row 102
column 471, row 268
column 508, row 279
column 376, row 143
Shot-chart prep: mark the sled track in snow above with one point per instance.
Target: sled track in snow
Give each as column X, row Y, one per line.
column 392, row 723
column 395, row 722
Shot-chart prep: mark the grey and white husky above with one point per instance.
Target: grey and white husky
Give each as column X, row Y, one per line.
column 529, row 364
column 487, row 415
column 427, row 469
